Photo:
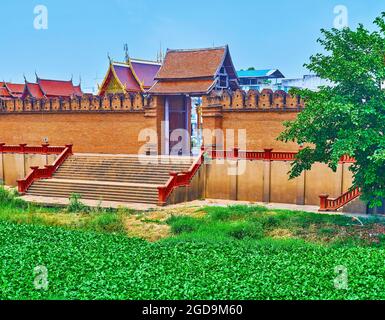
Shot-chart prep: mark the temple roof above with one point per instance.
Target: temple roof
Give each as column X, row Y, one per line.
column 58, row 88
column 43, row 88
column 135, row 75
column 192, row 87
column 145, row 71
column 4, row 92
column 200, row 63
column 32, row 89
column 126, row 77
column 15, row 89
column 194, row 71
column 78, row 90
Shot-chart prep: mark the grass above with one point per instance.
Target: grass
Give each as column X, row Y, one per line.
column 75, row 216
column 256, row 222
column 239, row 252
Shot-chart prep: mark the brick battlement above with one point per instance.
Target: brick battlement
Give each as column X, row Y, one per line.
column 111, row 103
column 239, row 100
column 253, row 100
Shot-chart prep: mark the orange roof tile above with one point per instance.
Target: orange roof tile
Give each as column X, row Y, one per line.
column 4, row 92
column 192, row 87
column 194, row 71
column 15, row 89
column 34, row 90
column 198, row 63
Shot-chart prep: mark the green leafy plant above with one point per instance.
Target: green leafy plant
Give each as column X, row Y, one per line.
column 76, row 205
column 183, row 224
column 89, row 265
column 106, row 222
column 348, row 117
column 9, row 198
column 241, row 231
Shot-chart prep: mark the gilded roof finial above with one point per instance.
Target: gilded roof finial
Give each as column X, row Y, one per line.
column 127, row 56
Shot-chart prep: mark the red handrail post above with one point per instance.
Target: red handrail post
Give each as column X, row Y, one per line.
column 69, row 146
column 235, row 152
column 50, row 170
column 45, row 147
column 21, row 186
column 2, row 147
column 22, row 147
column 267, row 154
column 323, row 202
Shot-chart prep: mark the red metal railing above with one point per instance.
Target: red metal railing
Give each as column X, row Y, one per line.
column 48, row 170
column 267, row 154
column 179, row 179
column 329, row 204
column 24, row 148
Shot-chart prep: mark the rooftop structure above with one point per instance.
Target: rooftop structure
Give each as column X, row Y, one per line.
column 135, row 75
column 311, row 82
column 195, row 72
column 14, row 89
column 259, row 79
column 43, row 88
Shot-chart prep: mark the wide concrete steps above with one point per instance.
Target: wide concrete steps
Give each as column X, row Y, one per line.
column 127, row 177
column 122, row 169
column 61, row 188
column 110, row 178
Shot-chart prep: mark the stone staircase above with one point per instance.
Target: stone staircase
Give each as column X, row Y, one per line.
column 111, row 178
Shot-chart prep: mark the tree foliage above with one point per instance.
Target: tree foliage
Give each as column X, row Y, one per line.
column 347, row 118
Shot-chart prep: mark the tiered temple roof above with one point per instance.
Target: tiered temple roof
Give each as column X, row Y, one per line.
column 43, row 88
column 58, row 88
column 4, row 94
column 14, row 89
column 195, row 72
column 135, row 75
column 32, row 90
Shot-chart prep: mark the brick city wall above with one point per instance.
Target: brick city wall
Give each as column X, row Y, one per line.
column 261, row 114
column 111, row 124
column 93, row 124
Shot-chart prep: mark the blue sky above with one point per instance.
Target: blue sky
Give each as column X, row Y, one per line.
column 264, row 34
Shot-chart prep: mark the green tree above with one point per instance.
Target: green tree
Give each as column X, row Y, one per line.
column 347, row 118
